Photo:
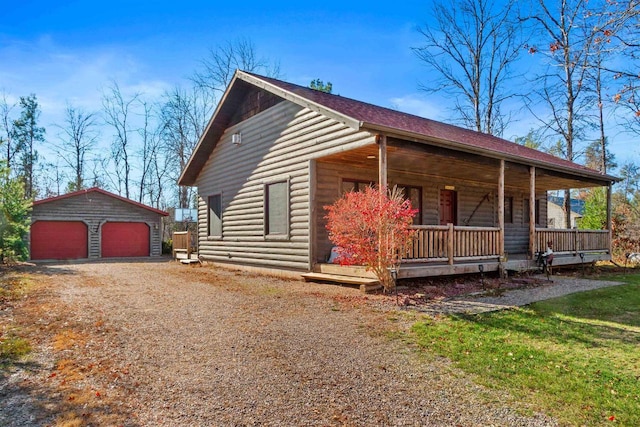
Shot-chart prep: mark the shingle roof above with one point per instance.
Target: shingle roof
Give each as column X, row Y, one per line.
column 379, row 119
column 101, row 191
column 373, row 116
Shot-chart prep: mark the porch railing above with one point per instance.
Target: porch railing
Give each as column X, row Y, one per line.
column 184, row 242
column 449, row 243
column 573, row 240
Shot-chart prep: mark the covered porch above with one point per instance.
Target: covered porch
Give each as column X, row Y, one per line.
column 442, row 250
column 477, row 210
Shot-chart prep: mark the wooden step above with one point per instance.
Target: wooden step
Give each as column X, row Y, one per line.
column 366, row 284
column 344, row 270
column 182, row 255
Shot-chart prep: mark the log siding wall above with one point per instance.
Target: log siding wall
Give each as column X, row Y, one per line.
column 95, row 209
column 278, row 143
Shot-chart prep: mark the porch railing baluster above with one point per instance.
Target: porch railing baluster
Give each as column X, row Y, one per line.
column 449, row 243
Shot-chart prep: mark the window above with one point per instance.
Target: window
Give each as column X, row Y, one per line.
column 508, row 210
column 215, row 215
column 536, row 209
column 276, row 205
column 354, row 185
column 414, row 194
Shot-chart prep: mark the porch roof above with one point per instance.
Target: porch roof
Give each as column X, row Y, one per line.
column 363, row 116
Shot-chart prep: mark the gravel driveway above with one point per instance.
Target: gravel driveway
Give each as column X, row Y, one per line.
column 196, row 346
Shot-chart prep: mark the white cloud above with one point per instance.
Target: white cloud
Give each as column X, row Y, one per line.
column 59, row 75
column 413, row 104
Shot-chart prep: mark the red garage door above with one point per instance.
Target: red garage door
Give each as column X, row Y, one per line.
column 125, row 239
column 58, row 240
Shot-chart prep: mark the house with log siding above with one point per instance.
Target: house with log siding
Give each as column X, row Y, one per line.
column 275, row 153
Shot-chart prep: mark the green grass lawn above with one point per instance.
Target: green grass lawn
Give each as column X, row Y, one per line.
column 577, row 358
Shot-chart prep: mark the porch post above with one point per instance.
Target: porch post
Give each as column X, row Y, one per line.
column 501, row 208
column 382, row 161
column 609, row 218
column 313, row 213
column 450, row 245
column 532, row 210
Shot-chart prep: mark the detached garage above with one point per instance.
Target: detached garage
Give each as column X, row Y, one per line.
column 94, row 223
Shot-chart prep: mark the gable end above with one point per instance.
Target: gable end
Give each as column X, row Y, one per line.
column 255, row 101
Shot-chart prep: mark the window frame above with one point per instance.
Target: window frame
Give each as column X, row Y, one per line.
column 268, row 235
column 417, row 219
column 210, row 234
column 536, row 211
column 358, row 184
column 508, row 210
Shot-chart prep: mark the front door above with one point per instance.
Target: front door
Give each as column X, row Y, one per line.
column 448, row 207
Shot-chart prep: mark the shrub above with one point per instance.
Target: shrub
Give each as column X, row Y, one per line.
column 371, row 228
column 167, row 246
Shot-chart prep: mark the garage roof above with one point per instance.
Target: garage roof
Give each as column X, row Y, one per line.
column 101, row 191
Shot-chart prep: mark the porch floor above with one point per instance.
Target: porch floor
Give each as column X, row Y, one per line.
column 515, row 263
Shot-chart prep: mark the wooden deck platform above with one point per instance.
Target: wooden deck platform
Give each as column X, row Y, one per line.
column 366, row 284
column 516, row 263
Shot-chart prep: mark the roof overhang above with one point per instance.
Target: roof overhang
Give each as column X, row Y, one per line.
column 243, row 81
column 220, row 119
column 592, row 176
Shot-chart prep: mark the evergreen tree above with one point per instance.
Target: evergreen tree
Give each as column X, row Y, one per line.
column 530, row 140
column 319, row 85
column 26, row 134
column 14, row 218
column 596, row 160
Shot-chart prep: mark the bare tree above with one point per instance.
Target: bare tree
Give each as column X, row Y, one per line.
column 78, row 137
column 6, row 130
column 567, row 31
column 472, row 47
column 218, row 67
column 97, row 172
column 117, row 112
column 600, row 102
column 624, row 32
column 148, row 154
column 183, row 117
column 160, row 174
column 51, row 180
column 609, row 22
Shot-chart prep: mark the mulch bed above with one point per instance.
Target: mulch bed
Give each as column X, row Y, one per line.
column 419, row 291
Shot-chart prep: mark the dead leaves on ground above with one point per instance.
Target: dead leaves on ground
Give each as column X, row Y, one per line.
column 80, row 388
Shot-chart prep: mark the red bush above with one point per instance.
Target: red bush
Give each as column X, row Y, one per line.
column 371, row 228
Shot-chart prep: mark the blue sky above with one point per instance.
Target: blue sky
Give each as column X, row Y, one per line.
column 68, row 51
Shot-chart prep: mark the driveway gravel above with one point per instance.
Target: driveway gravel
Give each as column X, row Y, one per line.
column 162, row 344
